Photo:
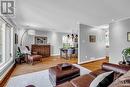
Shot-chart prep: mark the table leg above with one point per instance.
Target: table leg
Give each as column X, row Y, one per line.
column 60, row 53
column 66, row 54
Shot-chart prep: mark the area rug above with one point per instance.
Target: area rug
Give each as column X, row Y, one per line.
column 38, row 79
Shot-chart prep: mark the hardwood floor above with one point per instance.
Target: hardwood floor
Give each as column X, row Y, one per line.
column 95, row 64
column 45, row 64
column 52, row 61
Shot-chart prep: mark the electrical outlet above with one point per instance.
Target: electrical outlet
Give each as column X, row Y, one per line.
column 86, row 57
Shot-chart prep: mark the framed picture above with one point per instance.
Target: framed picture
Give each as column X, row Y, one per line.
column 92, row 38
column 128, row 36
column 40, row 40
column 16, row 38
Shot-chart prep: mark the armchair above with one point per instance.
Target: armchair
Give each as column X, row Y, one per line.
column 32, row 53
column 33, row 56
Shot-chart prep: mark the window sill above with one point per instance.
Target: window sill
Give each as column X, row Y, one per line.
column 4, row 68
column 3, row 65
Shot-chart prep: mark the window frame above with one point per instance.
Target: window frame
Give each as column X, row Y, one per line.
column 4, row 31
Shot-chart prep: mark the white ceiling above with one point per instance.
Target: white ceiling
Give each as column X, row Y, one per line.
column 63, row 15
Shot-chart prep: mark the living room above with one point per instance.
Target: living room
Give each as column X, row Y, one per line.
column 69, row 43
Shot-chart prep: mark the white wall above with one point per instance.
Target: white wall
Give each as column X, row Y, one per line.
column 54, row 39
column 91, row 50
column 118, row 39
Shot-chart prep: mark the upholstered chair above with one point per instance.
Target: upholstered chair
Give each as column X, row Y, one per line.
column 70, row 51
column 32, row 57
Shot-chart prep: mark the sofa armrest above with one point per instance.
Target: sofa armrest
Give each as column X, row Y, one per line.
column 115, row 68
column 82, row 81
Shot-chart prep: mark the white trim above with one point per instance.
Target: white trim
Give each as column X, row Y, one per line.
column 120, row 19
column 12, row 43
column 78, row 28
column 55, row 54
column 3, row 43
column 91, row 60
column 4, row 66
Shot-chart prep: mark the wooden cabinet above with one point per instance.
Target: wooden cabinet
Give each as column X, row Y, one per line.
column 43, row 50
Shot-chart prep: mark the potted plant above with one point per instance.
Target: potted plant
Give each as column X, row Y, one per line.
column 126, row 55
column 19, row 54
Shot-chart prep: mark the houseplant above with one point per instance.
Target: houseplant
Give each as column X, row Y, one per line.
column 126, row 54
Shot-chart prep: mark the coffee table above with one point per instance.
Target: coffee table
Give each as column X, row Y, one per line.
column 58, row 76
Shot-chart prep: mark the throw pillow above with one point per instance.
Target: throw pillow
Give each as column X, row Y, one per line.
column 123, row 81
column 107, row 80
column 99, row 78
column 117, row 75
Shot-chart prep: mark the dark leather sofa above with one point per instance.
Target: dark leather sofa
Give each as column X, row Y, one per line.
column 85, row 80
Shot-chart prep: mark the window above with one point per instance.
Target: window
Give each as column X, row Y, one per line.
column 0, row 42
column 6, row 42
column 70, row 41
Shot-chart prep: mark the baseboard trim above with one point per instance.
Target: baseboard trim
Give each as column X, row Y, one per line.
column 88, row 61
column 7, row 76
column 55, row 54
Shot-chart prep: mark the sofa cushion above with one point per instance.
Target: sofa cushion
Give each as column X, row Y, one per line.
column 123, row 81
column 117, row 75
column 82, row 81
column 97, row 72
column 66, row 84
column 99, row 78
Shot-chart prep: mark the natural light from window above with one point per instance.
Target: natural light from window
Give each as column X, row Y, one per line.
column 0, row 43
column 6, row 42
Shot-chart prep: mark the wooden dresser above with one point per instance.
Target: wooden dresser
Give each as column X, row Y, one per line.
column 43, row 50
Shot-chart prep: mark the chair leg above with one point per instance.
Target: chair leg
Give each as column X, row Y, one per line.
column 69, row 56
column 32, row 63
column 27, row 61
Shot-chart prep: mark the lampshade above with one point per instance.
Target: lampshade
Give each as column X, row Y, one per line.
column 31, row 32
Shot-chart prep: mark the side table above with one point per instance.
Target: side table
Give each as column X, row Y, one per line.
column 20, row 60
